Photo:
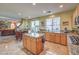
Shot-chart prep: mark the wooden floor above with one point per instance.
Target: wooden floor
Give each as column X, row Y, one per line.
column 9, row 46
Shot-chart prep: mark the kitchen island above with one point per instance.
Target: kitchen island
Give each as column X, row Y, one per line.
column 33, row 43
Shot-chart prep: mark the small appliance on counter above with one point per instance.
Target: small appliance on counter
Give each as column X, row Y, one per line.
column 66, row 30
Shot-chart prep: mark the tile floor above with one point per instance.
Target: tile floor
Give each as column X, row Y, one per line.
column 9, row 46
column 55, row 49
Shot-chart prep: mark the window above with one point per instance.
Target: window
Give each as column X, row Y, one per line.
column 53, row 25
column 35, row 26
column 56, row 24
column 49, row 25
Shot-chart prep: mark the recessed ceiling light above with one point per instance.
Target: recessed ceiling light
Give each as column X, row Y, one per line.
column 34, row 4
column 52, row 16
column 29, row 17
column 44, row 11
column 61, row 6
column 19, row 14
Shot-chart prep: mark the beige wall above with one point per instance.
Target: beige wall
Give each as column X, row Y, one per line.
column 65, row 17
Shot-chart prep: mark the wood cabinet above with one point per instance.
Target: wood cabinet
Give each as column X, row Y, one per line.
column 63, row 39
column 33, row 44
column 47, row 35
column 59, row 38
column 40, row 45
column 24, row 41
column 50, row 36
column 7, row 32
column 18, row 35
column 28, row 45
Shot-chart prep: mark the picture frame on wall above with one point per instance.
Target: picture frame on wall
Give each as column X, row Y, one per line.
column 65, row 23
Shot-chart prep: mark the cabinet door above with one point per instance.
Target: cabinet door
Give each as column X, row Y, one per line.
column 47, row 35
column 28, row 43
column 64, row 39
column 24, row 41
column 33, row 45
column 39, row 45
column 52, row 37
column 57, row 38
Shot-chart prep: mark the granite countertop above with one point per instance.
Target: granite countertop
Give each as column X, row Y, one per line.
column 58, row 32
column 34, row 35
column 73, row 48
column 7, row 29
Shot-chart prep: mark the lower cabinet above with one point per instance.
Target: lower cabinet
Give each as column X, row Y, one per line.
column 32, row 44
column 28, row 43
column 40, row 45
column 18, row 35
column 50, row 37
column 64, row 39
column 7, row 32
column 59, row 38
column 24, row 41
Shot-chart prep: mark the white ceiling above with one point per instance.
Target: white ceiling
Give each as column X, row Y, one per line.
column 27, row 9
